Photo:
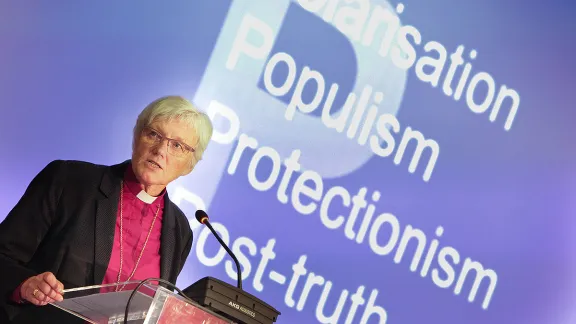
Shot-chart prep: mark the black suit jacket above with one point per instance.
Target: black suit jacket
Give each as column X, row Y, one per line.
column 64, row 223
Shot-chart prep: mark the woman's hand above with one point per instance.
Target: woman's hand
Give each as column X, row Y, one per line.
column 42, row 289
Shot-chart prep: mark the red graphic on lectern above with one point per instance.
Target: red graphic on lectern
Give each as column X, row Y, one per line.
column 178, row 311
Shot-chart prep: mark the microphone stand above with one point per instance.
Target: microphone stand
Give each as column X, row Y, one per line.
column 239, row 276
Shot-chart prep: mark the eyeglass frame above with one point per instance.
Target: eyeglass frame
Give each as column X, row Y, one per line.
column 187, row 147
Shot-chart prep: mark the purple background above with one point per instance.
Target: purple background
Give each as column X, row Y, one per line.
column 74, row 75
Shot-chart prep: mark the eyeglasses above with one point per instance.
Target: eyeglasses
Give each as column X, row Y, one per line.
column 152, row 137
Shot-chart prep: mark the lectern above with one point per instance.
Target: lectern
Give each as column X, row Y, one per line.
column 150, row 304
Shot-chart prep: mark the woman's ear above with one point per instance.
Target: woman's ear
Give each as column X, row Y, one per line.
column 190, row 167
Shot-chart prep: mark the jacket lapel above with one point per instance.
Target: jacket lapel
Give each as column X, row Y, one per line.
column 168, row 241
column 106, row 211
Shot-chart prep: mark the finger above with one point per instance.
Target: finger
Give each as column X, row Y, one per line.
column 55, row 296
column 52, row 281
column 55, row 286
column 45, row 293
column 45, row 288
column 45, row 302
column 35, row 296
column 50, row 293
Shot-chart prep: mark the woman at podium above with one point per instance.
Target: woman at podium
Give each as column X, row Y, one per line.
column 81, row 224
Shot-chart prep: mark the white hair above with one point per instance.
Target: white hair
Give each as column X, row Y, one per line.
column 177, row 107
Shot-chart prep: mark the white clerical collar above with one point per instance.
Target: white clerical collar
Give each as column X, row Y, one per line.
column 145, row 197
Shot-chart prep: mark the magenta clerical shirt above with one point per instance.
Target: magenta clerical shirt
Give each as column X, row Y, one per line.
column 138, row 209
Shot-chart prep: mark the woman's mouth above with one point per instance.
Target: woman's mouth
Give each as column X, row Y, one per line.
column 153, row 164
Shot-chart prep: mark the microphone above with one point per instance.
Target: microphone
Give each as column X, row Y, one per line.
column 223, row 298
column 202, row 217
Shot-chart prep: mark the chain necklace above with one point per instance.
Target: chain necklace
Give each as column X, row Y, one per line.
column 122, row 240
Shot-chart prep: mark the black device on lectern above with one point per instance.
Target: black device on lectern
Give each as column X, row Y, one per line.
column 225, row 299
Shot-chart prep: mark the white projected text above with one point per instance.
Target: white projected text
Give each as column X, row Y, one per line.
column 359, row 115
column 379, row 28
column 300, row 283
column 382, row 232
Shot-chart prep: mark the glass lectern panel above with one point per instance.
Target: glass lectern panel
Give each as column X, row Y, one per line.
column 151, row 304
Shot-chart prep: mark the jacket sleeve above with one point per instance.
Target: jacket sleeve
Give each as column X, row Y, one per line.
column 24, row 228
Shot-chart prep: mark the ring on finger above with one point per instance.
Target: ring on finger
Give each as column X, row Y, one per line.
column 35, row 292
